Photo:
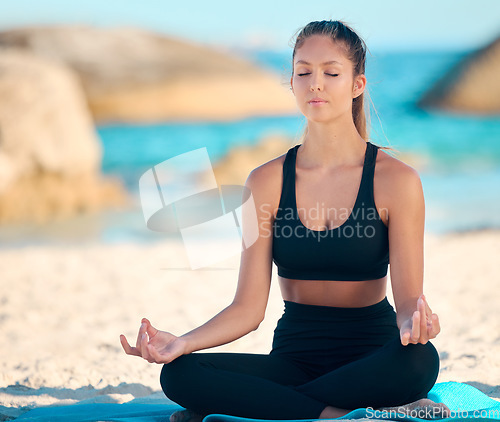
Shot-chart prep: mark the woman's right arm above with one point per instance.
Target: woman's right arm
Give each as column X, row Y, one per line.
column 248, row 307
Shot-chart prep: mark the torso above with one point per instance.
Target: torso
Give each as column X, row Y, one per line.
column 310, row 189
column 344, row 294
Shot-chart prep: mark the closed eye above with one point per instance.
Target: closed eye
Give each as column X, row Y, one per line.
column 329, row 74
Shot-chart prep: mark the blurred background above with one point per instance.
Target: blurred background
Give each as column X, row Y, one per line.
column 93, row 95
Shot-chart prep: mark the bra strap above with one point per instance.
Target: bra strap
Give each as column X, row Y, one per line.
column 288, row 186
column 366, row 189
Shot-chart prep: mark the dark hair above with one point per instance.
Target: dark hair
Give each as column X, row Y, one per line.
column 355, row 50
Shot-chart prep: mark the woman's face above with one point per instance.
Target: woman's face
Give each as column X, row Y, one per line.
column 333, row 82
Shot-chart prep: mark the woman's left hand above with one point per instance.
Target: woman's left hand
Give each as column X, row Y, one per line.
column 422, row 326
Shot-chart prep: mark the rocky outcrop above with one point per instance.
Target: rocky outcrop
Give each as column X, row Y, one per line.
column 132, row 75
column 49, row 153
column 471, row 86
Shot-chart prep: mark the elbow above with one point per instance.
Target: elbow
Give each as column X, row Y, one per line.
column 251, row 317
column 257, row 325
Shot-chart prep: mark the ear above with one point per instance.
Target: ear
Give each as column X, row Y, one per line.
column 358, row 86
column 291, row 84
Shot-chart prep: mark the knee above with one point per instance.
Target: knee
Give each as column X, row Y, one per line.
column 421, row 364
column 423, row 358
column 173, row 377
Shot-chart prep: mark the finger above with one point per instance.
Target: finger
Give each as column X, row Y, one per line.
column 144, row 348
column 149, row 328
column 158, row 358
column 128, row 349
column 428, row 311
column 427, row 307
column 405, row 337
column 415, row 327
column 435, row 326
column 142, row 330
column 423, row 322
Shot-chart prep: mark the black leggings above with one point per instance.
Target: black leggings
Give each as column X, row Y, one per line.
column 321, row 356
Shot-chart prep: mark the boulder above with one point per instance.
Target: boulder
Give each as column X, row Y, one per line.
column 137, row 76
column 50, row 155
column 471, row 86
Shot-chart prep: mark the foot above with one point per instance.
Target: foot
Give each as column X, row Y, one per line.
column 422, row 409
column 186, row 415
column 330, row 412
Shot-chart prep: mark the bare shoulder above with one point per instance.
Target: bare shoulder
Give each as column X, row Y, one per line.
column 395, row 182
column 265, row 182
column 395, row 173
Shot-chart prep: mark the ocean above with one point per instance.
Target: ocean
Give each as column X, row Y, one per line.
column 461, row 176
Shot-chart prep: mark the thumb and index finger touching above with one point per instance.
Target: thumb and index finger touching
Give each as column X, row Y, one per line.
column 427, row 318
column 432, row 318
column 152, row 331
column 136, row 350
column 427, row 307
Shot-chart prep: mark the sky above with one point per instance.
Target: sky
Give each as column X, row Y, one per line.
column 383, row 24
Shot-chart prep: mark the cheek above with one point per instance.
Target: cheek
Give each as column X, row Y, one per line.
column 298, row 83
column 340, row 82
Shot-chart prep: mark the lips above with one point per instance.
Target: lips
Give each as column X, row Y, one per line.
column 317, row 100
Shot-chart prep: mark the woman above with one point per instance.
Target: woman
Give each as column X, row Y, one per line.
column 339, row 345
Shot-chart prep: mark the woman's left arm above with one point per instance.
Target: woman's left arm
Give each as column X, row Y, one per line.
column 406, row 220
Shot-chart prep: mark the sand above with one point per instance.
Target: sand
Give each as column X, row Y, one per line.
column 62, row 309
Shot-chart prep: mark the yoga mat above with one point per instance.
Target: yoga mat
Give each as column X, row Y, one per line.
column 467, row 403
column 93, row 412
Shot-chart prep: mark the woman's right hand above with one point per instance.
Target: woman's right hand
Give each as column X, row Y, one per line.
column 154, row 345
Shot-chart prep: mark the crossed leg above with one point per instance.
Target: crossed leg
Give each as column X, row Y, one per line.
column 392, row 375
column 241, row 384
column 273, row 387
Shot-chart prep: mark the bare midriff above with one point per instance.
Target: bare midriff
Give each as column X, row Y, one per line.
column 344, row 294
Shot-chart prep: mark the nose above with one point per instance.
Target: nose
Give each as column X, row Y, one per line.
column 316, row 84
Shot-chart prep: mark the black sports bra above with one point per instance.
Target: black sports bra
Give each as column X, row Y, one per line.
column 356, row 250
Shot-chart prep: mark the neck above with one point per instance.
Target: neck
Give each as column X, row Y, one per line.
column 332, row 145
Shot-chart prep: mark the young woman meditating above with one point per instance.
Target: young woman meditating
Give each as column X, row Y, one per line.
column 339, row 344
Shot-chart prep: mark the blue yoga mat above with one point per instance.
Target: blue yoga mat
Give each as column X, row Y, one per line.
column 467, row 403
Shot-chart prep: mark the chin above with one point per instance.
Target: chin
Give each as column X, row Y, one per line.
column 320, row 118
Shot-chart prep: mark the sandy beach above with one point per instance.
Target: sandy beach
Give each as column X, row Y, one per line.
column 62, row 310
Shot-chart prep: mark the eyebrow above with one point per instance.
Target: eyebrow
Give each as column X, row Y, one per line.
column 328, row 62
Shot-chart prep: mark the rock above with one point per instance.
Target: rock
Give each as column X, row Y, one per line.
column 471, row 86
column 49, row 152
column 133, row 75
